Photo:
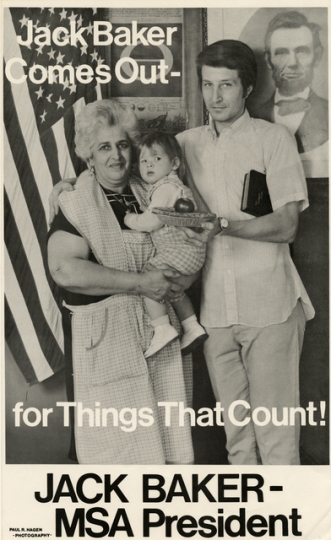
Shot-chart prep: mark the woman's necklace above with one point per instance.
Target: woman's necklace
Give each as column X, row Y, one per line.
column 116, row 197
column 122, row 198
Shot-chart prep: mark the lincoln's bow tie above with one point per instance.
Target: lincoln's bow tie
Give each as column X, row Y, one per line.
column 292, row 106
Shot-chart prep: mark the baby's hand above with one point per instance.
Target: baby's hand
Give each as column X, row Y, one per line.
column 127, row 218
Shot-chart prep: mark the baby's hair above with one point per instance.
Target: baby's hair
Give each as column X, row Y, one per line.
column 168, row 142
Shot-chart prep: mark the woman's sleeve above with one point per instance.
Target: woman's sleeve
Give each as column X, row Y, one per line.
column 60, row 223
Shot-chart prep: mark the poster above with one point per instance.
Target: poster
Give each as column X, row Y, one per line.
column 44, row 494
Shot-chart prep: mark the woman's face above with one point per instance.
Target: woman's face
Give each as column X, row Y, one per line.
column 111, row 157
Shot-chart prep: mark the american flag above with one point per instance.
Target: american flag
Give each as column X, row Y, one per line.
column 38, row 152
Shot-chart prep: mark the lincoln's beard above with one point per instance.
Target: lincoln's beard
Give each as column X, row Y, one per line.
column 289, row 87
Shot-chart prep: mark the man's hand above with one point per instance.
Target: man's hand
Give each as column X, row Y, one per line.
column 53, row 200
column 198, row 238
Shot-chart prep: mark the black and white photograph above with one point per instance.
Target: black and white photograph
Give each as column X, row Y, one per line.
column 165, row 270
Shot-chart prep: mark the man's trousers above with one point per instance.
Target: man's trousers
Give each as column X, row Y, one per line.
column 260, row 367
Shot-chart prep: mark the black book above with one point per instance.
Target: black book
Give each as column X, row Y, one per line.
column 256, row 199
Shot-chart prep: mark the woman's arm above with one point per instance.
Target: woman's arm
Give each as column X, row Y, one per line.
column 64, row 185
column 70, row 268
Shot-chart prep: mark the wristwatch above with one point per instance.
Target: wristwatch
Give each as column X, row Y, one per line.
column 223, row 223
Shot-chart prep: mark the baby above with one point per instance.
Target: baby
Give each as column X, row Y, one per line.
column 159, row 161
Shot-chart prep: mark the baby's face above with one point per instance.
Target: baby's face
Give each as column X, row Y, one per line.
column 154, row 163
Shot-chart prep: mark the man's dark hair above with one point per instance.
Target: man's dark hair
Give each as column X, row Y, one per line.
column 291, row 19
column 232, row 54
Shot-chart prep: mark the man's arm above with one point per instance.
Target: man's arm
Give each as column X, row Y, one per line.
column 288, row 193
column 63, row 185
column 279, row 227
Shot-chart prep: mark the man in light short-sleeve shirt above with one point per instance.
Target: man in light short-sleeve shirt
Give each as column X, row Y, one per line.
column 254, row 305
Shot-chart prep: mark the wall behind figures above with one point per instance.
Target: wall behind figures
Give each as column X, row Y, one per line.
column 158, row 106
column 311, row 257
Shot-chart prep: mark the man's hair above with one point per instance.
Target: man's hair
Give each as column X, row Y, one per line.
column 232, row 54
column 291, row 19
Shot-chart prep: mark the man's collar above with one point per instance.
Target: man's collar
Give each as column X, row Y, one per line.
column 211, row 127
column 236, row 126
column 304, row 95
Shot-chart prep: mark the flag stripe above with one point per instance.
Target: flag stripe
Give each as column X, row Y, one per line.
column 16, row 346
column 66, row 168
column 39, row 151
column 27, row 120
column 23, row 321
column 20, row 266
column 49, row 145
column 69, row 132
column 20, row 154
column 69, row 128
column 99, row 91
column 31, row 247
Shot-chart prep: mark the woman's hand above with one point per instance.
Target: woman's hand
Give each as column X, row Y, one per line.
column 63, row 185
column 181, row 279
column 156, row 285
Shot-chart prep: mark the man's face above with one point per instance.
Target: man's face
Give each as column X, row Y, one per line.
column 223, row 94
column 292, row 58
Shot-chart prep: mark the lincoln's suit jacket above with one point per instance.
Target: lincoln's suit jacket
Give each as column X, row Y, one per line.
column 313, row 130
